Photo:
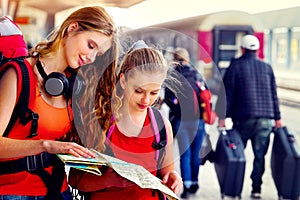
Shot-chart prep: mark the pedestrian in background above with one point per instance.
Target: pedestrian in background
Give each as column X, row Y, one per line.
column 186, row 120
column 28, row 164
column 252, row 104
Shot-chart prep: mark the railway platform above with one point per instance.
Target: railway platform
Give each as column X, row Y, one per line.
column 287, row 79
column 288, row 87
column 208, row 181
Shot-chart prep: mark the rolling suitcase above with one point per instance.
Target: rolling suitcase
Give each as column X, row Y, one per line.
column 230, row 163
column 285, row 164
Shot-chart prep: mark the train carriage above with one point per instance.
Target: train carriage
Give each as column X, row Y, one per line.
column 212, row 39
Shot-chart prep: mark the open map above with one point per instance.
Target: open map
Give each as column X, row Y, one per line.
column 135, row 173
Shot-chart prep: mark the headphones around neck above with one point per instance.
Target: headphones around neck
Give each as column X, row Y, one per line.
column 56, row 84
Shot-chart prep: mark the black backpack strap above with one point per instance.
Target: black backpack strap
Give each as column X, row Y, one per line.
column 159, row 144
column 53, row 182
column 36, row 164
column 25, row 114
column 21, row 109
column 162, row 142
column 162, row 129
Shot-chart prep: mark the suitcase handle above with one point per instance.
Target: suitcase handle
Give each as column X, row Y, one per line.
column 230, row 143
column 292, row 140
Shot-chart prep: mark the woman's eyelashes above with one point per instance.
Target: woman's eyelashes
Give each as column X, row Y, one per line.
column 152, row 93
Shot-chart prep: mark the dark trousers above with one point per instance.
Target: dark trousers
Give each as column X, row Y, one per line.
column 66, row 195
column 190, row 135
column 257, row 130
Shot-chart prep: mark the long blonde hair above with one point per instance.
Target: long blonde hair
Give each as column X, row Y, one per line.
column 93, row 18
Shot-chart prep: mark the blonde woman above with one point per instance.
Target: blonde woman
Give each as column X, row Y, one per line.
column 143, row 71
column 85, row 34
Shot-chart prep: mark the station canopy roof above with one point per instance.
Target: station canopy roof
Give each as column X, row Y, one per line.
column 53, row 6
column 288, row 17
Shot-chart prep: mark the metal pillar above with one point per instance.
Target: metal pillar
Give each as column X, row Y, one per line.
column 4, row 8
column 289, row 41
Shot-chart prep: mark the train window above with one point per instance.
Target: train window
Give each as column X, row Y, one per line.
column 295, row 49
column 280, row 47
column 281, row 52
column 227, row 43
column 226, row 47
column 227, row 55
column 230, row 44
column 227, row 38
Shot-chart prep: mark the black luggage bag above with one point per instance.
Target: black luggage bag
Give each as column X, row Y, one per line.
column 230, row 163
column 285, row 164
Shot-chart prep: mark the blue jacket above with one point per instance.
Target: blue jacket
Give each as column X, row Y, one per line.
column 251, row 90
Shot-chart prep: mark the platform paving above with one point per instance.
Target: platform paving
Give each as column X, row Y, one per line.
column 209, row 186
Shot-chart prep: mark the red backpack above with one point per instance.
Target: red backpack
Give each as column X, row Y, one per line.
column 13, row 51
column 205, row 104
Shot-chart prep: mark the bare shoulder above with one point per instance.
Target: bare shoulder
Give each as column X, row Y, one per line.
column 168, row 128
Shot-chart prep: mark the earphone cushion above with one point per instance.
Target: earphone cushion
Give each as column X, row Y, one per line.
column 77, row 85
column 56, row 84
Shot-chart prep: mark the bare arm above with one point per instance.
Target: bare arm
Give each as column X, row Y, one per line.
column 170, row 177
column 8, row 91
column 12, row 148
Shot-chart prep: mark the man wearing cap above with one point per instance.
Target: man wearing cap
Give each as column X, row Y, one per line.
column 187, row 123
column 252, row 104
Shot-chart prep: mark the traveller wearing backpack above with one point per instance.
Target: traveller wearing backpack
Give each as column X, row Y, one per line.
column 187, row 118
column 32, row 133
column 132, row 136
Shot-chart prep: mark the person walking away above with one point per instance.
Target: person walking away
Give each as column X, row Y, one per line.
column 85, row 34
column 252, row 104
column 187, row 122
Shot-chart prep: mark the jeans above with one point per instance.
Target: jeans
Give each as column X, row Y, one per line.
column 257, row 130
column 66, row 195
column 190, row 135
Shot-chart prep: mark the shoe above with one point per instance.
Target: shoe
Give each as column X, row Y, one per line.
column 255, row 195
column 186, row 193
column 193, row 189
column 211, row 156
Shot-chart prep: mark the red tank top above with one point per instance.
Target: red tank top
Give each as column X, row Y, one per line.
column 53, row 123
column 136, row 150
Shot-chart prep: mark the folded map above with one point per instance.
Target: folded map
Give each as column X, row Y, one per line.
column 135, row 173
